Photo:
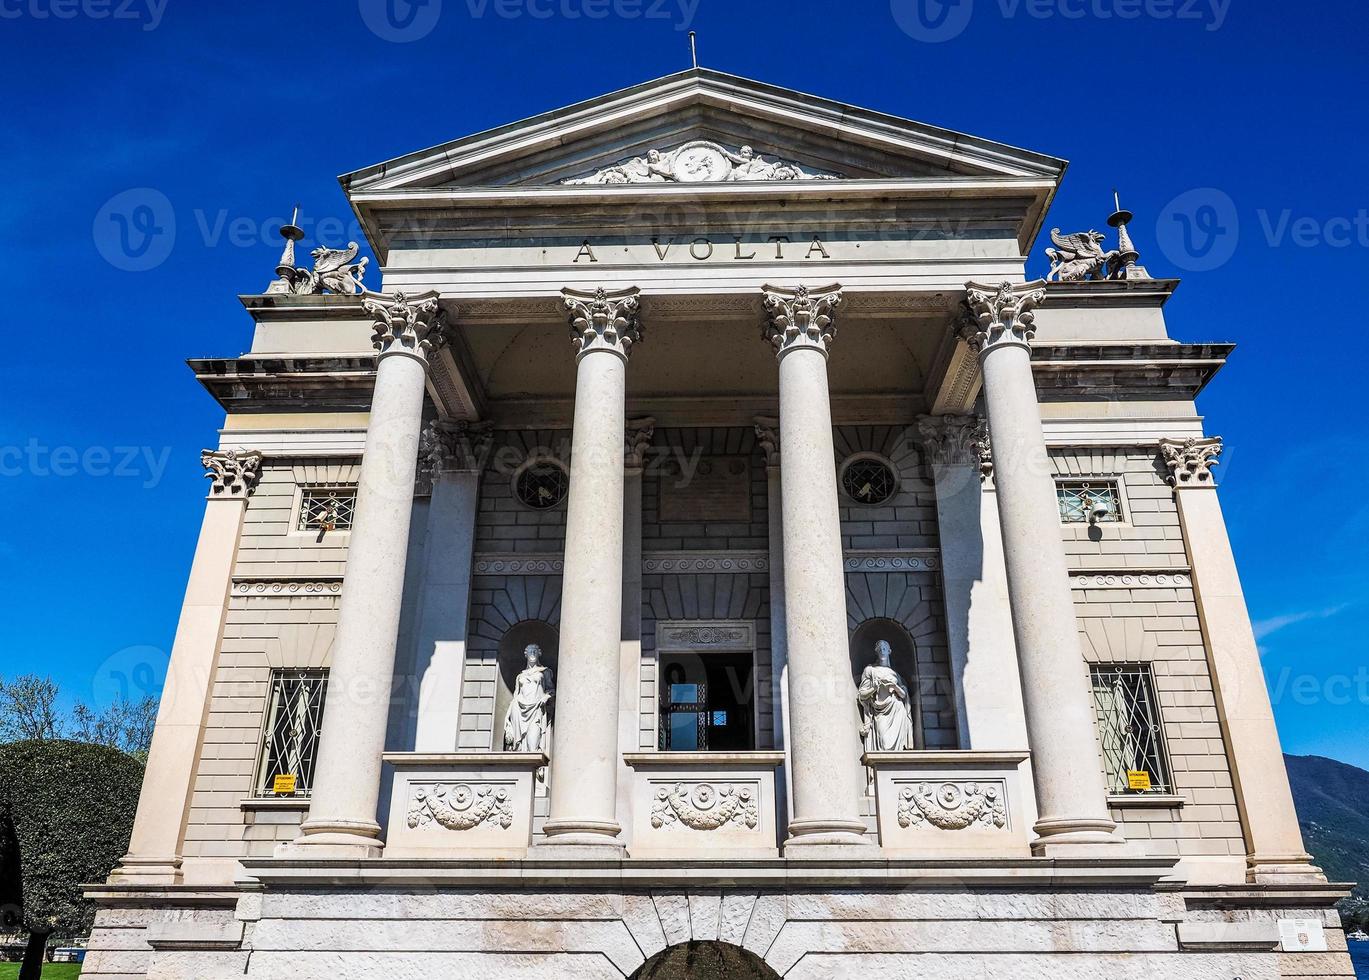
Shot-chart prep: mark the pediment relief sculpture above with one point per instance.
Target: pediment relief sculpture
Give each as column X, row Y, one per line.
column 700, row 162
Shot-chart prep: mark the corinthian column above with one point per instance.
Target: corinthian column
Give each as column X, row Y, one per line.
column 154, row 851
column 584, row 762
column 1070, row 793
column 824, row 743
column 1274, row 847
column 342, row 817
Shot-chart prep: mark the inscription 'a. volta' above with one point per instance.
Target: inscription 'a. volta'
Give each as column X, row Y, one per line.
column 737, row 250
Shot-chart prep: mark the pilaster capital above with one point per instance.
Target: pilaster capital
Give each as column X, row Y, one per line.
column 406, row 325
column 455, row 447
column 768, row 437
column 637, row 439
column 957, row 440
column 1190, row 461
column 604, row 321
column 1001, row 315
column 800, row 317
column 232, row 473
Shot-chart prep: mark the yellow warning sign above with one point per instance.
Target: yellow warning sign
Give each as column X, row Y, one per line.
column 1136, row 779
column 285, row 784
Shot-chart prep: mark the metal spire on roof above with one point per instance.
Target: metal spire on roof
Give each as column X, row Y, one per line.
column 694, row 48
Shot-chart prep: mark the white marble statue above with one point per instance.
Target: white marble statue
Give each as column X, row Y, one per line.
column 886, row 720
column 527, row 727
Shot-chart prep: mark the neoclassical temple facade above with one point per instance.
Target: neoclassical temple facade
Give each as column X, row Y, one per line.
column 699, row 551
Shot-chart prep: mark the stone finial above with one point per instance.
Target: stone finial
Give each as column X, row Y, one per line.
column 404, row 325
column 956, row 439
column 1125, row 264
column 231, row 472
column 637, row 441
column 1001, row 314
column 1190, row 461
column 455, row 447
column 800, row 317
column 768, row 438
column 604, row 321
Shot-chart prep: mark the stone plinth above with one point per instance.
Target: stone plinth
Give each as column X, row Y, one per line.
column 718, row 803
column 932, row 804
column 451, row 805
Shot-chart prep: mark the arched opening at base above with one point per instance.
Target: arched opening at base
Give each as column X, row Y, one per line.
column 705, row 961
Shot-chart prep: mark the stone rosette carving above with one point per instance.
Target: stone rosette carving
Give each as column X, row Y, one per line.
column 603, row 321
column 953, row 805
column 231, row 472
column 455, row 447
column 460, row 806
column 768, row 438
column 800, row 317
column 699, row 162
column 1002, row 314
column 637, row 440
column 1190, row 461
column 404, row 325
column 705, row 806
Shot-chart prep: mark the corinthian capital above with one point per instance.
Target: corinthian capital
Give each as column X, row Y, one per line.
column 603, row 321
column 637, row 439
column 455, row 447
column 768, row 437
column 1002, row 314
column 1190, row 461
column 405, row 325
column 800, row 317
column 232, row 473
column 956, row 440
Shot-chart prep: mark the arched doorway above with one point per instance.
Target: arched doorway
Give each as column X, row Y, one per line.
column 705, row 961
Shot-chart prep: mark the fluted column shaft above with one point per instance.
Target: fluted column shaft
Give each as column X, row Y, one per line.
column 342, row 816
column 824, row 742
column 1275, row 852
column 584, row 761
column 1071, row 796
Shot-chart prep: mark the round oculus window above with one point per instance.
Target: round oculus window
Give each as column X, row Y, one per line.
column 541, row 485
column 868, row 480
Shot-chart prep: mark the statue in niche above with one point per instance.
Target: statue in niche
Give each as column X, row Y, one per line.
column 886, row 719
column 527, row 727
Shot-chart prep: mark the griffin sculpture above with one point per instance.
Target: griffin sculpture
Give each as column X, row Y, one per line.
column 1078, row 257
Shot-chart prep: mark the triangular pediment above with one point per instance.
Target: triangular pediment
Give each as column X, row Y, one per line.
column 703, row 126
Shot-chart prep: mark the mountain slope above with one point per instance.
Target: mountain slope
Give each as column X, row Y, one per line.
column 1332, row 799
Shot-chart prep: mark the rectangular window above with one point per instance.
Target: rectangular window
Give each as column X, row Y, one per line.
column 1130, row 729
column 290, row 739
column 327, row 508
column 1089, row 501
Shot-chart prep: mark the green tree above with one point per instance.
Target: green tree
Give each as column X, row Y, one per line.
column 66, row 813
column 28, row 709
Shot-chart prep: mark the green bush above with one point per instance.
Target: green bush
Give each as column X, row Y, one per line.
column 66, row 812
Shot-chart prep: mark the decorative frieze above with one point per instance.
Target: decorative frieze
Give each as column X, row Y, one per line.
column 459, row 806
column 517, row 564
column 1001, row 314
column 405, row 325
column 1190, row 461
column 909, row 560
column 231, row 472
column 603, row 321
column 953, row 805
column 288, row 587
column 682, row 562
column 705, row 806
column 800, row 317
column 1165, row 579
column 706, row 635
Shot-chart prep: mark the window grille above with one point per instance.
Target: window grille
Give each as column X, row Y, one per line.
column 541, row 485
column 327, row 508
column 290, row 740
column 1130, row 729
column 867, row 480
column 1089, row 501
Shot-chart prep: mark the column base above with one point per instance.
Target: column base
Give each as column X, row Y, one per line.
column 1280, row 869
column 335, row 840
column 133, row 870
column 1081, row 838
column 828, row 840
column 579, row 840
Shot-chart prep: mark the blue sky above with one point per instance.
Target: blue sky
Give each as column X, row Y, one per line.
column 1235, row 130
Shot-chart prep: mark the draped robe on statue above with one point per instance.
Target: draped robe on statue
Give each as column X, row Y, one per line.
column 527, row 728
column 886, row 722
